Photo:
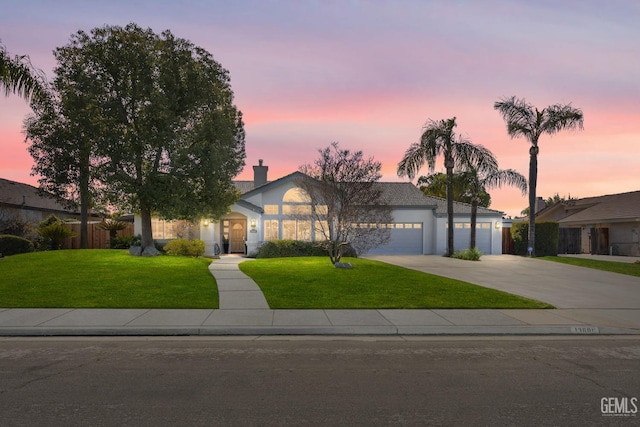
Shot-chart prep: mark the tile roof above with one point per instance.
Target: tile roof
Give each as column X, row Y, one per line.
column 609, row 208
column 396, row 194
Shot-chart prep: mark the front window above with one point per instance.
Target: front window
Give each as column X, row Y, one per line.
column 270, row 229
column 296, row 230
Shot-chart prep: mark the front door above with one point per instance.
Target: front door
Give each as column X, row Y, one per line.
column 238, row 235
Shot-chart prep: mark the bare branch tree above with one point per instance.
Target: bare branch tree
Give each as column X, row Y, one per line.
column 347, row 205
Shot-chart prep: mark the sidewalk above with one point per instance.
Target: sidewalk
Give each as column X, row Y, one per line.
column 244, row 311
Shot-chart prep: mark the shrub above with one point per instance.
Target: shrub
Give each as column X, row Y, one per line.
column 112, row 226
column 192, row 248
column 53, row 230
column 13, row 245
column 294, row 248
column 468, row 254
column 121, row 242
column 14, row 224
column 547, row 236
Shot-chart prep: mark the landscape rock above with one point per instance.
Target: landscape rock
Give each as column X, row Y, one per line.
column 150, row 251
column 135, row 250
column 343, row 265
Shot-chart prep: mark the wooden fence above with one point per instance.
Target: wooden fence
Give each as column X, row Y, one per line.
column 97, row 238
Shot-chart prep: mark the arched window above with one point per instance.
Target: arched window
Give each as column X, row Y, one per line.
column 296, row 201
column 296, row 195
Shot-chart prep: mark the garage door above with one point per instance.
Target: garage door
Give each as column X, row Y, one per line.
column 405, row 239
column 462, row 236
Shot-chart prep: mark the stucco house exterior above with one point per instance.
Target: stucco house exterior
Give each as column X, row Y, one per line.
column 263, row 213
column 607, row 224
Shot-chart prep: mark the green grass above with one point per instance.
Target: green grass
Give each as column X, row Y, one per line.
column 105, row 279
column 312, row 282
column 628, row 268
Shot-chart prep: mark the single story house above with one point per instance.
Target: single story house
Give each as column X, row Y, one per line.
column 27, row 202
column 598, row 225
column 263, row 213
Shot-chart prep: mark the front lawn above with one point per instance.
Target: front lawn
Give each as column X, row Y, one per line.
column 100, row 278
column 613, row 266
column 312, row 282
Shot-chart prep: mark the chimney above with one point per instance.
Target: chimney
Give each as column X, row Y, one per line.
column 260, row 174
column 540, row 204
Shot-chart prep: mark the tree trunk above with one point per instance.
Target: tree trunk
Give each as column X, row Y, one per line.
column 147, row 235
column 449, row 165
column 85, row 200
column 474, row 216
column 533, row 178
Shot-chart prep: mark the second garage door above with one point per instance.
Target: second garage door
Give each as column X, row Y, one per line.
column 462, row 236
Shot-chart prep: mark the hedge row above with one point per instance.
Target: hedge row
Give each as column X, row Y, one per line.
column 294, row 248
column 547, row 236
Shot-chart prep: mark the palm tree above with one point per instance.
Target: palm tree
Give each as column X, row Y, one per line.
column 18, row 76
column 435, row 184
column 437, row 139
column 523, row 119
column 483, row 173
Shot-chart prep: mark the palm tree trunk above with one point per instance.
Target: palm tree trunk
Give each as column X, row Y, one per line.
column 474, row 216
column 449, row 165
column 533, row 179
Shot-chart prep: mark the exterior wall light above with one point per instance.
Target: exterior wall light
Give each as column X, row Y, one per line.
column 253, row 223
column 205, row 222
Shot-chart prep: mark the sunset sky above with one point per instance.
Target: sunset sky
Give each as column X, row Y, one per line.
column 369, row 74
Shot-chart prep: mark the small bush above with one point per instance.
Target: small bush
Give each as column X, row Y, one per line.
column 295, row 248
column 54, row 231
column 192, row 248
column 468, row 254
column 121, row 242
column 13, row 245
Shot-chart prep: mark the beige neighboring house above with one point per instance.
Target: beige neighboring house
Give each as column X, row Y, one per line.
column 598, row 225
column 26, row 201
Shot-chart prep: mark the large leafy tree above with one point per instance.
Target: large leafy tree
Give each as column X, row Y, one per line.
column 525, row 120
column 18, row 76
column 439, row 139
column 64, row 152
column 347, row 205
column 156, row 114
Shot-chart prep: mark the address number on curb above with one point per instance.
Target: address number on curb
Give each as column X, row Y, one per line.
column 584, row 330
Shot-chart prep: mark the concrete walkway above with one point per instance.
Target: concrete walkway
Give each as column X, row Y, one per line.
column 236, row 291
column 244, row 311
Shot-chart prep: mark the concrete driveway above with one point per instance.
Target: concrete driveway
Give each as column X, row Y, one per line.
column 564, row 286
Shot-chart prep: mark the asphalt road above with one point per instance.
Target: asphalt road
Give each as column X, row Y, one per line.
column 319, row 381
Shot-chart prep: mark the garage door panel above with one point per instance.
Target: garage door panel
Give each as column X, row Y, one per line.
column 462, row 238
column 402, row 242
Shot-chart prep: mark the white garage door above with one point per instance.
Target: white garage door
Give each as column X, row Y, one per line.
column 462, row 236
column 405, row 239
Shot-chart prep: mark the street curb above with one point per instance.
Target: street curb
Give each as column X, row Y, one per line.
column 311, row 330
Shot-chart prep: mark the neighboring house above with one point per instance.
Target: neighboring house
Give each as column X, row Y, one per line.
column 598, row 225
column 264, row 210
column 25, row 201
